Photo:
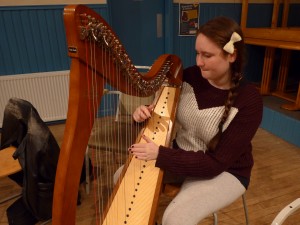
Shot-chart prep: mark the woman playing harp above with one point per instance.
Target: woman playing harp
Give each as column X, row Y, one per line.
column 98, row 58
column 219, row 112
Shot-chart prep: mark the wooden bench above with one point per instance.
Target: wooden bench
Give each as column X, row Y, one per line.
column 274, row 37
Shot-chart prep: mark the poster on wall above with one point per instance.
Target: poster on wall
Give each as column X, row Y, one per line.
column 188, row 19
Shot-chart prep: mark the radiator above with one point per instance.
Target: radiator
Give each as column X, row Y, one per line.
column 48, row 92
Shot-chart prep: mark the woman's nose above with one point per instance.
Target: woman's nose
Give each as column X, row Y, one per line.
column 199, row 61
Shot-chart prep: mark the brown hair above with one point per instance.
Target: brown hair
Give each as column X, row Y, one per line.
column 219, row 30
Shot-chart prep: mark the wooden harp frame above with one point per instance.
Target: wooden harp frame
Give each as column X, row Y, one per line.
column 82, row 25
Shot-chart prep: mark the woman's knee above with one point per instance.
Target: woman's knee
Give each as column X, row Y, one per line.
column 117, row 174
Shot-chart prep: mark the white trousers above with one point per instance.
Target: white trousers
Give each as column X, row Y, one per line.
column 200, row 198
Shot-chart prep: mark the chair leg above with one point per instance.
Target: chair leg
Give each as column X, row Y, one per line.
column 245, row 209
column 87, row 169
column 215, row 218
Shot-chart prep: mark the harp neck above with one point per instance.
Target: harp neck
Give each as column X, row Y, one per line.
column 84, row 26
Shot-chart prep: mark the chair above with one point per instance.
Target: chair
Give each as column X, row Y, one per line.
column 171, row 191
column 8, row 166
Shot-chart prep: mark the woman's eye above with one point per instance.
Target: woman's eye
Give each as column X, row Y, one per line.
column 203, row 55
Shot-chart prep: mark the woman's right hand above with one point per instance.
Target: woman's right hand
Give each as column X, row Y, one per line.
column 142, row 113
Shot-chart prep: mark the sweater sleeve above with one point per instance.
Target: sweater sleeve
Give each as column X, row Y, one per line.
column 233, row 152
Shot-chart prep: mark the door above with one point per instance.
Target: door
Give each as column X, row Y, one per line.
column 140, row 26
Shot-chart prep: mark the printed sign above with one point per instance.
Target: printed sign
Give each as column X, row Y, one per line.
column 189, row 19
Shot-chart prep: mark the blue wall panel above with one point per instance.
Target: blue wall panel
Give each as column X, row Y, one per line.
column 294, row 17
column 283, row 126
column 33, row 39
column 259, row 15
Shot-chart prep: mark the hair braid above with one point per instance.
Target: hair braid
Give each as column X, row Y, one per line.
column 236, row 77
column 219, row 30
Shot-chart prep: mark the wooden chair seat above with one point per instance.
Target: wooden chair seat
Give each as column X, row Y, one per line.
column 8, row 165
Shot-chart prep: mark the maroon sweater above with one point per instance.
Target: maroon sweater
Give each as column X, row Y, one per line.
column 200, row 109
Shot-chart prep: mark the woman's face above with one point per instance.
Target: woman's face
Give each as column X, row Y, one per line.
column 214, row 64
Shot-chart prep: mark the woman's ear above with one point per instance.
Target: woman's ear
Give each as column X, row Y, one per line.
column 232, row 57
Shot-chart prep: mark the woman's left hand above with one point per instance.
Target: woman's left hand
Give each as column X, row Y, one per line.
column 145, row 151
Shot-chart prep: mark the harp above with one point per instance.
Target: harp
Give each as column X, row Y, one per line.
column 97, row 57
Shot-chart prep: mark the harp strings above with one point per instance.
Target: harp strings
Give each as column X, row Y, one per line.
column 112, row 138
column 108, row 152
column 92, row 90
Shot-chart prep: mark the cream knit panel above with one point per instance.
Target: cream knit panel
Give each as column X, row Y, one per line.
column 198, row 126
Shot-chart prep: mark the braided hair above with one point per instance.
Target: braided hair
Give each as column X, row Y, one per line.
column 219, row 30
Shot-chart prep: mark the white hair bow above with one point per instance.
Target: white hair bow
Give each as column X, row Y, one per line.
column 229, row 47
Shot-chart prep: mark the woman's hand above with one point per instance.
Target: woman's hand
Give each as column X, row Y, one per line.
column 145, row 151
column 142, row 113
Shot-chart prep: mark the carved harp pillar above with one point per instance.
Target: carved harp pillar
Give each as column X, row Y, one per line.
column 99, row 58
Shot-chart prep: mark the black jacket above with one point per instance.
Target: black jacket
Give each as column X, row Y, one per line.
column 37, row 152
